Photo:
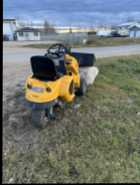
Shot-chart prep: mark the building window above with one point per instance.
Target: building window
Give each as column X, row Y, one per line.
column 35, row 33
column 21, row 33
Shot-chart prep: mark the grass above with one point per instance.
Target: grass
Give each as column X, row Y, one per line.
column 95, row 42
column 99, row 142
column 114, row 41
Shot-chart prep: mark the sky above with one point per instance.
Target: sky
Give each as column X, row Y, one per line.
column 73, row 12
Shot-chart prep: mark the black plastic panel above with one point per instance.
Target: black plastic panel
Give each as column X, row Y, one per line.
column 84, row 59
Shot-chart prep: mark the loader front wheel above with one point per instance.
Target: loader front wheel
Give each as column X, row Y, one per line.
column 38, row 118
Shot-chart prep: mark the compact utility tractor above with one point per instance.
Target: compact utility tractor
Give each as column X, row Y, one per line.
column 55, row 78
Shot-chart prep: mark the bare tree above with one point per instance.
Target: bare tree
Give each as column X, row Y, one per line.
column 48, row 28
column 70, row 30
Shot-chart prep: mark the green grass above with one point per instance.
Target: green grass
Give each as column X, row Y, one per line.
column 95, row 42
column 99, row 142
column 102, row 41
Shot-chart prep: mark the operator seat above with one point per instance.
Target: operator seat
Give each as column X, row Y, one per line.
column 45, row 68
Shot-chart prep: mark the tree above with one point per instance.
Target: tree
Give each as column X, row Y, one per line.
column 48, row 28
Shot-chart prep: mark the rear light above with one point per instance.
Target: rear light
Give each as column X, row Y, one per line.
column 29, row 86
column 48, row 89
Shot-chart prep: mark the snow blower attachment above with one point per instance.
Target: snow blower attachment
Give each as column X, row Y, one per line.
column 56, row 78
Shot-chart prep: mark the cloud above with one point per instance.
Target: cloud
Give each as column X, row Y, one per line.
column 74, row 12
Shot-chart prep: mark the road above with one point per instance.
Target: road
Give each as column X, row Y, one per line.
column 16, row 60
column 16, row 52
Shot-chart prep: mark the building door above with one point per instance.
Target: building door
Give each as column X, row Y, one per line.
column 27, row 36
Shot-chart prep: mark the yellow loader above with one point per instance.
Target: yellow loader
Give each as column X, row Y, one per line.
column 55, row 78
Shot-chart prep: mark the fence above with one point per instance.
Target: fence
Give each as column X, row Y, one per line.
column 67, row 38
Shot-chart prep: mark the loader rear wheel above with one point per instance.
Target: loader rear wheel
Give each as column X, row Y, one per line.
column 82, row 89
column 38, row 118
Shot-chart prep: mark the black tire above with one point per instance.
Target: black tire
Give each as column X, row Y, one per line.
column 82, row 89
column 38, row 118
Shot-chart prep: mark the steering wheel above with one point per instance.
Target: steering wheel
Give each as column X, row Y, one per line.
column 57, row 50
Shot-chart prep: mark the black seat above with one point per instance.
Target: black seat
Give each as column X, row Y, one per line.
column 43, row 68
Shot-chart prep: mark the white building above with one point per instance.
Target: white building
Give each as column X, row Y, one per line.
column 134, row 32
column 133, row 28
column 9, row 27
column 28, row 34
column 104, row 32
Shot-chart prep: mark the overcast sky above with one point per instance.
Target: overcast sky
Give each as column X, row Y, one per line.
column 74, row 12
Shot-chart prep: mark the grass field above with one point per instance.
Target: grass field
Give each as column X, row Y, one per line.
column 95, row 42
column 114, row 41
column 96, row 139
